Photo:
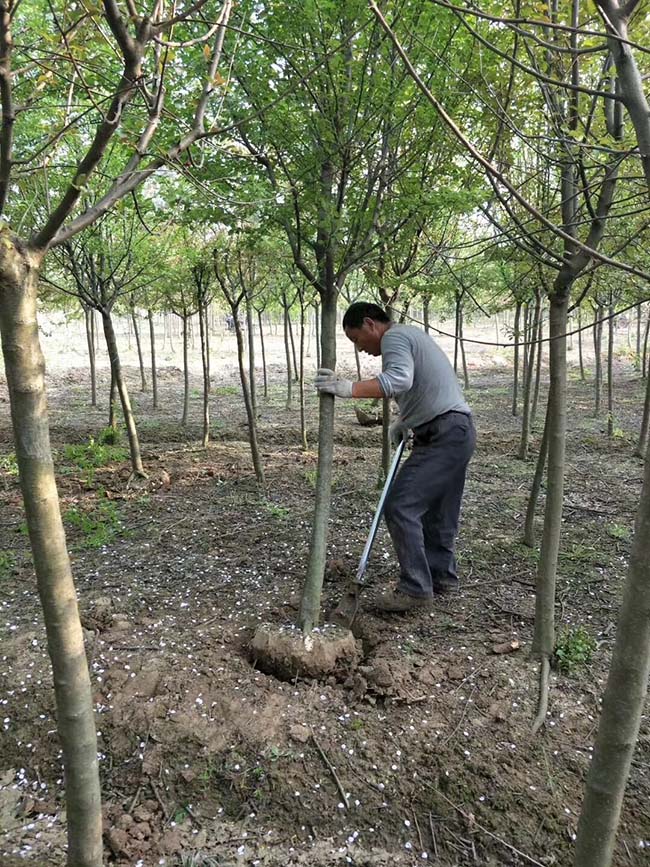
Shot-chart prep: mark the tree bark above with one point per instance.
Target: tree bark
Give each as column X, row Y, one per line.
column 528, row 384
column 136, row 331
column 251, row 352
column 463, row 354
column 538, row 369
column 264, row 372
column 529, row 527
column 186, row 371
column 311, row 594
column 112, row 416
column 89, row 315
column 515, row 379
column 623, row 703
column 598, row 339
column 644, row 363
column 580, row 357
column 24, row 367
column 544, row 632
column 205, row 364
column 610, row 372
column 248, row 403
column 425, row 314
column 154, row 371
column 120, row 384
column 317, row 330
column 301, row 379
column 293, row 347
column 287, row 351
column 641, row 450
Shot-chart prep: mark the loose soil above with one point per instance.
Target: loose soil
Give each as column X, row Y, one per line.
column 421, row 751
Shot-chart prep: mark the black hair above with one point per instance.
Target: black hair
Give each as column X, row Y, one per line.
column 360, row 310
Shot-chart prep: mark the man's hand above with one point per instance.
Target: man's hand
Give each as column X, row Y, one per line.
column 397, row 432
column 327, row 383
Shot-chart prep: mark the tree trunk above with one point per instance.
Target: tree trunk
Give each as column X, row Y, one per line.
column 529, row 527
column 544, row 633
column 357, row 361
column 136, row 331
column 528, row 384
column 24, row 368
column 311, row 594
column 641, row 450
column 89, row 315
column 644, row 363
column 580, row 357
column 610, row 372
column 459, row 301
column 598, row 338
column 637, row 351
column 538, row 369
column 112, row 416
column 120, row 384
column 287, row 352
column 293, row 347
column 515, row 380
column 623, row 704
column 251, row 354
column 317, row 330
column 248, row 403
column 425, row 314
column 264, row 372
column 205, row 364
column 301, row 380
column 154, row 372
column 463, row 355
column 186, row 371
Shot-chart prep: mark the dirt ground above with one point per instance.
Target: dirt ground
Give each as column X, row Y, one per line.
column 422, row 752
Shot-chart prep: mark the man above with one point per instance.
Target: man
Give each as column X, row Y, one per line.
column 422, row 509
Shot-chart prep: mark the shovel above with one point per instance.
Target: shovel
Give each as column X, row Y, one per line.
column 347, row 609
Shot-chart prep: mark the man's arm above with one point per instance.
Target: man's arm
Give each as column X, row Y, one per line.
column 367, row 388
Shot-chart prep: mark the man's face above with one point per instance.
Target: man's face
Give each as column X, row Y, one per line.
column 367, row 338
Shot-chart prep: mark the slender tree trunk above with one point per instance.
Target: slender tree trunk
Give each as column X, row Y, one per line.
column 538, row 368
column 610, row 372
column 515, row 379
column 598, row 336
column 248, row 403
column 623, row 704
column 529, row 527
column 136, row 331
column 463, row 354
column 317, row 329
column 425, row 314
column 112, row 415
column 526, row 340
column 580, row 357
column 186, row 371
column 89, row 315
column 357, row 361
column 311, row 595
column 205, row 439
column 293, row 346
column 528, row 384
column 120, row 384
column 459, row 299
column 251, row 354
column 266, row 382
column 544, row 633
column 637, row 352
column 644, row 363
column 154, row 371
column 207, row 350
column 641, row 450
column 301, row 380
column 24, row 368
column 287, row 353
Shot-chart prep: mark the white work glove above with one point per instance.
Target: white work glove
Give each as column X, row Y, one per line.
column 327, row 383
column 397, row 432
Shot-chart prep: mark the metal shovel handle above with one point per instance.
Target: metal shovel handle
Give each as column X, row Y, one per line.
column 365, row 556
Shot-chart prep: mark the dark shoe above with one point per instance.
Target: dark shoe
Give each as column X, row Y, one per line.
column 443, row 588
column 397, row 602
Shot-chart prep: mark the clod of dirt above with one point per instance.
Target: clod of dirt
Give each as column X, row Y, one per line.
column 287, row 652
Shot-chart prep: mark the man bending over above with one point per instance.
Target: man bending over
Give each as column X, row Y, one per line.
column 422, row 509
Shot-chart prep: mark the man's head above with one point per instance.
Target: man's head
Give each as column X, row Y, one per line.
column 365, row 324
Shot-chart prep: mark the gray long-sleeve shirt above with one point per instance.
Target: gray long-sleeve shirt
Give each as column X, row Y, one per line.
column 417, row 373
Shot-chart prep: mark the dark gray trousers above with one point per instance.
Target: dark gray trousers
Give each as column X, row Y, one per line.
column 422, row 510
